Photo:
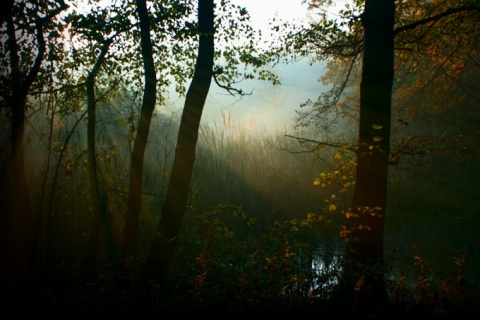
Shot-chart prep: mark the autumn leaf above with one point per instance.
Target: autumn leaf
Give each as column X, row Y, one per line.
column 344, row 233
column 352, row 215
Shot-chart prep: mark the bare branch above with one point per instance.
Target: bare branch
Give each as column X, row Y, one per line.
column 435, row 18
column 108, row 91
column 304, row 142
column 232, row 91
column 69, row 86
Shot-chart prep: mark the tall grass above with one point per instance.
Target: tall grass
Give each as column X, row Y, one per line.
column 261, row 171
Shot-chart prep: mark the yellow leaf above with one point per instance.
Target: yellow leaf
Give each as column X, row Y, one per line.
column 316, row 182
column 377, row 126
column 376, row 138
column 332, row 207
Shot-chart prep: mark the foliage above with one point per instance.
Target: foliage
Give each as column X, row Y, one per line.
column 226, row 261
column 219, row 271
column 434, row 63
column 264, row 220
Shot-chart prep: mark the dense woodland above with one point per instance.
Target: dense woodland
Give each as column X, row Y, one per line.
column 112, row 203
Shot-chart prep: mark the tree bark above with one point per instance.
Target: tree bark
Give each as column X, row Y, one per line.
column 19, row 225
column 161, row 253
column 19, row 219
column 6, row 11
column 364, row 264
column 140, row 143
column 99, row 214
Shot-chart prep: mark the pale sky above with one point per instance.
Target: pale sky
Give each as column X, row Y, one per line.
column 262, row 11
column 269, row 107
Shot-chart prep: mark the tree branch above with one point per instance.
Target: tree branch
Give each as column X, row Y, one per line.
column 435, row 18
column 232, row 91
column 318, row 144
column 65, row 87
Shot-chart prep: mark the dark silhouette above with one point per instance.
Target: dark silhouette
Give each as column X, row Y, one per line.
column 162, row 250
column 99, row 217
column 138, row 153
column 364, row 265
column 19, row 218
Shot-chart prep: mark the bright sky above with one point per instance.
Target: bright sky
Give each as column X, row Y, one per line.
column 262, row 11
column 269, row 107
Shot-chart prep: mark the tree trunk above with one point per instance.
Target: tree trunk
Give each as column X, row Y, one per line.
column 19, row 219
column 18, row 222
column 99, row 214
column 161, row 253
column 139, row 146
column 364, row 265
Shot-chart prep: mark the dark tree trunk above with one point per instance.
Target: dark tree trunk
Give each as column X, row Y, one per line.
column 139, row 146
column 19, row 216
column 19, row 221
column 99, row 214
column 161, row 253
column 364, row 266
column 6, row 10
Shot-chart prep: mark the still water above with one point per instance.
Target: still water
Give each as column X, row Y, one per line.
column 409, row 244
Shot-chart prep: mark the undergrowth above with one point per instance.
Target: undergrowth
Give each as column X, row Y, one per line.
column 287, row 270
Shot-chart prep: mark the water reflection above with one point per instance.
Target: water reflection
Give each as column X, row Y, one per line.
column 321, row 269
column 327, row 275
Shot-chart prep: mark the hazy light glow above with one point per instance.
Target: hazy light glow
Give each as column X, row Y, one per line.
column 269, row 108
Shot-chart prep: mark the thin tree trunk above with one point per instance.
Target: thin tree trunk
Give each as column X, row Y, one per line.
column 139, row 146
column 161, row 253
column 364, row 265
column 48, row 161
column 40, row 236
column 99, row 214
column 48, row 219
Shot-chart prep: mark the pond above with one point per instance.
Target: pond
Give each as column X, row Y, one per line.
column 437, row 244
